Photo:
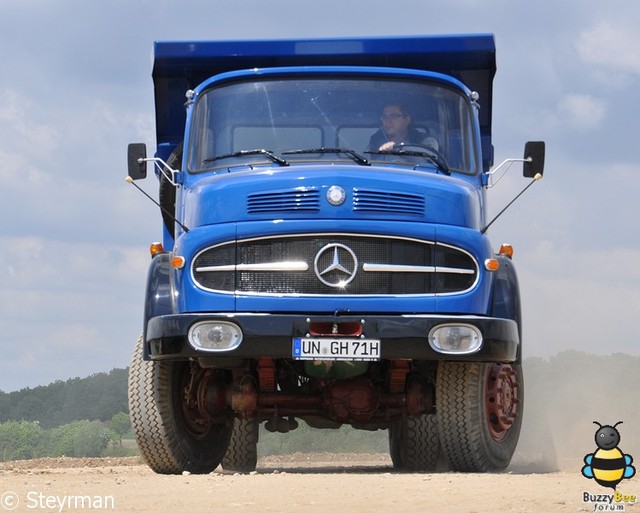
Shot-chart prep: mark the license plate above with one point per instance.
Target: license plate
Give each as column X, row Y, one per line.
column 326, row 348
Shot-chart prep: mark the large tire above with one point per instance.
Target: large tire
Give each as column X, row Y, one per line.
column 242, row 453
column 479, row 408
column 168, row 442
column 395, row 432
column 167, row 192
column 414, row 443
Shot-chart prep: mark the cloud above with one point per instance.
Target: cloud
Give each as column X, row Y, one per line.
column 75, row 92
column 581, row 111
column 574, row 122
column 21, row 126
column 611, row 47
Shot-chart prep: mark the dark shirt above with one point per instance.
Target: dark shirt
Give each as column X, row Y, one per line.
column 379, row 138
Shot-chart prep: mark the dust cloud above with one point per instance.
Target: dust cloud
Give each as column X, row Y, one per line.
column 564, row 395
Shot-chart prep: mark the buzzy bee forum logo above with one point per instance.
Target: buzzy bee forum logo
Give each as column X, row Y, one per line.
column 608, row 466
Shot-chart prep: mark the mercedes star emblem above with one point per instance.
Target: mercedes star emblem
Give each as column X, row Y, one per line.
column 336, row 195
column 336, row 265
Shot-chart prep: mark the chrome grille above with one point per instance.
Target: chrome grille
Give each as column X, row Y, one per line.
column 335, row 264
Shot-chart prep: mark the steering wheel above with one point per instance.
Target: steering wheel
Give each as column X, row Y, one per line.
column 423, row 146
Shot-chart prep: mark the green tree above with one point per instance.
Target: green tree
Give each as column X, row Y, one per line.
column 78, row 439
column 120, row 424
column 5, row 407
column 90, row 439
column 97, row 397
column 30, row 408
column 58, row 441
column 19, row 440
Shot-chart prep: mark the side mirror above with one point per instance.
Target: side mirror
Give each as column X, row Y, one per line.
column 534, row 159
column 136, row 155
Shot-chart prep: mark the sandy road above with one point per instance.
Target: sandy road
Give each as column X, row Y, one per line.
column 325, row 483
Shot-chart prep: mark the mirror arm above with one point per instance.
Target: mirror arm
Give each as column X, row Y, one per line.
column 490, row 173
column 170, row 174
column 533, row 180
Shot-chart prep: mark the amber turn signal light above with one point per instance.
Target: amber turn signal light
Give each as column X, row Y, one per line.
column 156, row 248
column 506, row 250
column 177, row 262
column 491, row 264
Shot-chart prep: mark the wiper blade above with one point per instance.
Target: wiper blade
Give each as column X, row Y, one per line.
column 243, row 153
column 354, row 155
column 433, row 156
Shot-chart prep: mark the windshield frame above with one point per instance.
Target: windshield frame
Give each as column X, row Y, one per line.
column 256, row 155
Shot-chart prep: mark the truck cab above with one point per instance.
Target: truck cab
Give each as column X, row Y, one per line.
column 325, row 256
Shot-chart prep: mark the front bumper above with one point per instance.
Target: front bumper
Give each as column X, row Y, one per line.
column 271, row 335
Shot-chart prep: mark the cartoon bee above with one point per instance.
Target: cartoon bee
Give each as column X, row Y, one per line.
column 608, row 465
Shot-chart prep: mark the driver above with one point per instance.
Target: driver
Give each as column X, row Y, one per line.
column 396, row 128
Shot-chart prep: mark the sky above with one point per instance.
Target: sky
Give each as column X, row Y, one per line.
column 76, row 88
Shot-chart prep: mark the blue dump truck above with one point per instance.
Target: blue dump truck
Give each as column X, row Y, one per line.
column 325, row 256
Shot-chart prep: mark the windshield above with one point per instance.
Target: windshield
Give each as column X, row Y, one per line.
column 362, row 120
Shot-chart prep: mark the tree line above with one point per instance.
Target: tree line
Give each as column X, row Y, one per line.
column 20, row 440
column 97, row 397
column 79, row 417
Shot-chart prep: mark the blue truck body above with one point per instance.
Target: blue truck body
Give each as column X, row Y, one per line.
column 349, row 283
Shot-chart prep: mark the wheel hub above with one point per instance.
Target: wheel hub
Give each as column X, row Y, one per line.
column 501, row 399
column 202, row 392
column 196, row 424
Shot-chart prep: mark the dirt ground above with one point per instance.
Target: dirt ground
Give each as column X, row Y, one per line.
column 300, row 482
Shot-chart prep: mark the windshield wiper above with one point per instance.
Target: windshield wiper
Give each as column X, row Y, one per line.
column 244, row 153
column 433, row 156
column 355, row 156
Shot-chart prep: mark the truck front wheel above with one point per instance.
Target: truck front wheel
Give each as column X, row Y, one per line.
column 479, row 408
column 242, row 454
column 172, row 437
column 414, row 444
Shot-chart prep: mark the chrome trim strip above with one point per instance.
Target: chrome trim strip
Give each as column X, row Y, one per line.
column 454, row 270
column 391, row 268
column 268, row 266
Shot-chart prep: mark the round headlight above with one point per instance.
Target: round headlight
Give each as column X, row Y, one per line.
column 455, row 339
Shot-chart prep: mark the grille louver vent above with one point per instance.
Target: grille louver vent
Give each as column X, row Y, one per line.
column 388, row 202
column 305, row 200
column 364, row 200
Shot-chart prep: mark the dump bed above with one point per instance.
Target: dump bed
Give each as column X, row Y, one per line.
column 179, row 66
